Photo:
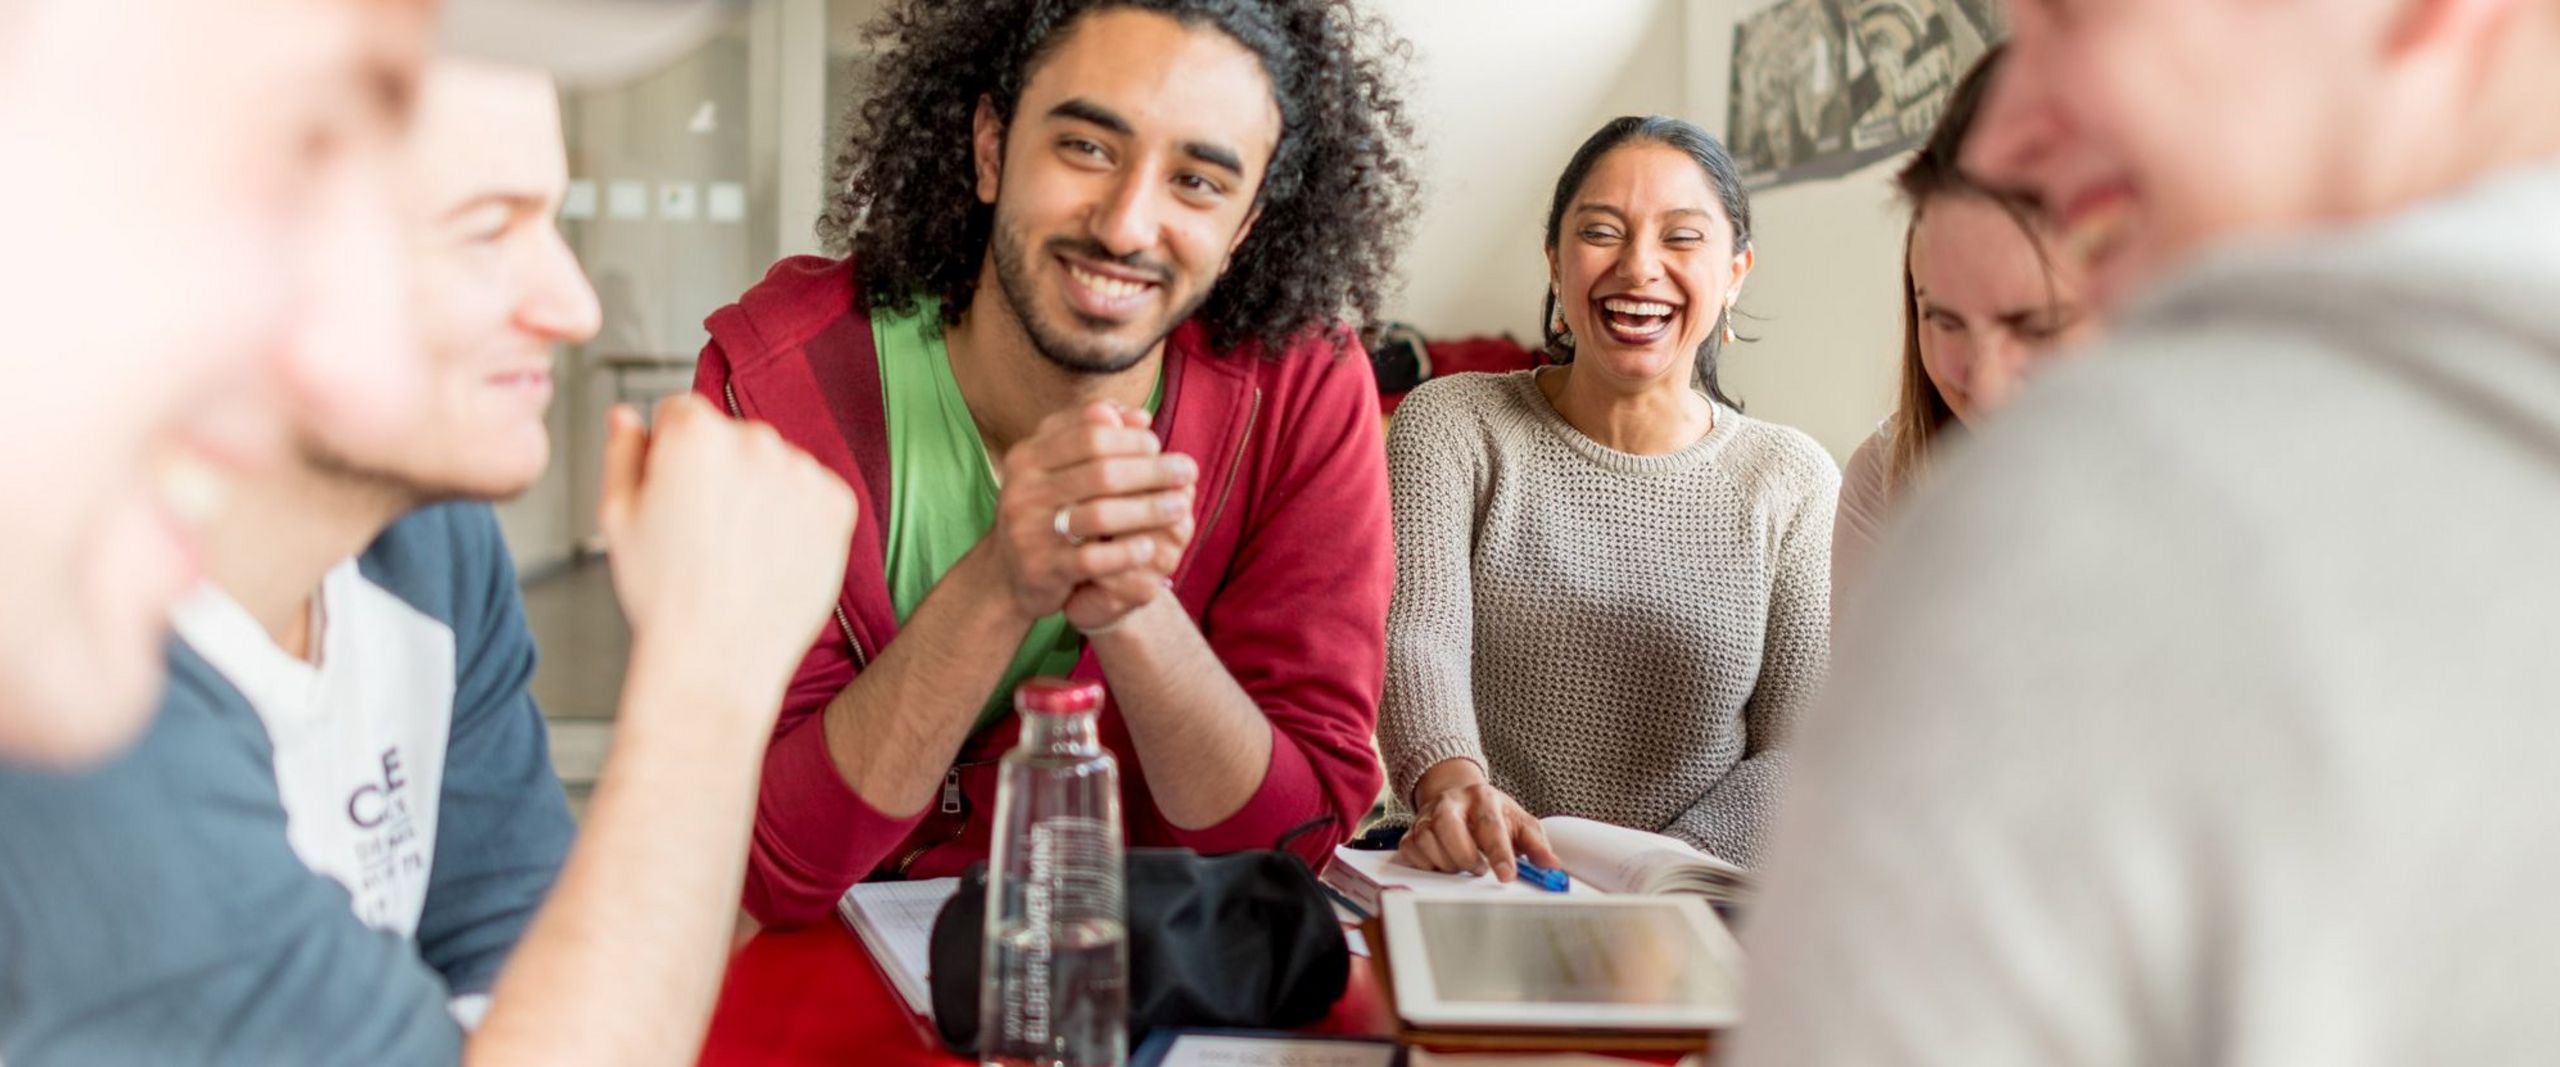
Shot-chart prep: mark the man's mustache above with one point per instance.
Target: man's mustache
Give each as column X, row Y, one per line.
column 1088, row 248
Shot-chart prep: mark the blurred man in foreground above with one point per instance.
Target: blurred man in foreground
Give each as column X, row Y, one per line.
column 2243, row 756
column 158, row 325
column 153, row 908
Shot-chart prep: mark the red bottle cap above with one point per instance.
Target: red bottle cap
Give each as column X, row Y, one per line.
column 1057, row 696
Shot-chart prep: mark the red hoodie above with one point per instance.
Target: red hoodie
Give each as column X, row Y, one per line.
column 1287, row 577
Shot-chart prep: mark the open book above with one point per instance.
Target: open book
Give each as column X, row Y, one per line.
column 1598, row 857
column 895, row 921
column 1615, row 859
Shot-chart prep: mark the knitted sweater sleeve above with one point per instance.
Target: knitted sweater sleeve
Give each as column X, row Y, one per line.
column 1866, row 494
column 1731, row 819
column 1435, row 479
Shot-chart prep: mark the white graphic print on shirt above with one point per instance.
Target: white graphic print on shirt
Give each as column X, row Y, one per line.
column 359, row 736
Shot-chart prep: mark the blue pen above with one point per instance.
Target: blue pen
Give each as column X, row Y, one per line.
column 1552, row 881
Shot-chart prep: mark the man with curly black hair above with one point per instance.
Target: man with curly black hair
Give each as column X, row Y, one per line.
column 1088, row 359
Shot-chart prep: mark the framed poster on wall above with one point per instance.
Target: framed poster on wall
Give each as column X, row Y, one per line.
column 1824, row 87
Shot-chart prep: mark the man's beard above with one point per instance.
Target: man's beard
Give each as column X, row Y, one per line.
column 398, row 490
column 1060, row 347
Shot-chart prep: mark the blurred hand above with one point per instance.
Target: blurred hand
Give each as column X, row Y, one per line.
column 725, row 540
column 1126, row 508
column 1462, row 823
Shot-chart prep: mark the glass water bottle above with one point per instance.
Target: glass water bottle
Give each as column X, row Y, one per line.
column 1056, row 991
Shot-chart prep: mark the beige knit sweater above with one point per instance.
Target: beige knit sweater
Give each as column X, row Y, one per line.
column 1619, row 637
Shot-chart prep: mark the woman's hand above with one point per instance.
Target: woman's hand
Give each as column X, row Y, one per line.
column 1462, row 823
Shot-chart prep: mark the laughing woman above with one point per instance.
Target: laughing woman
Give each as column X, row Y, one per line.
column 1613, row 588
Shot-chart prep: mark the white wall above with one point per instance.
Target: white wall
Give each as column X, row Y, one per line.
column 1502, row 91
column 1828, row 290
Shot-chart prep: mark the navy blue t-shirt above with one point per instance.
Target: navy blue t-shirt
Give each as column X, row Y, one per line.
column 152, row 909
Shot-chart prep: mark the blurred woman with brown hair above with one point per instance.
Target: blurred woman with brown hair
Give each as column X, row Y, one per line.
column 1984, row 300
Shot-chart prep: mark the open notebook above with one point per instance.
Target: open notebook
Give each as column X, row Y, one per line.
column 1599, row 857
column 1616, row 859
column 895, row 922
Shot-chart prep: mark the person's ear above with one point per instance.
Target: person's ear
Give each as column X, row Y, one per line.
column 1743, row 261
column 986, row 142
column 1242, row 232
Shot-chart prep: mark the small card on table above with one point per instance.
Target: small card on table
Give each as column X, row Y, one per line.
column 1235, row 1048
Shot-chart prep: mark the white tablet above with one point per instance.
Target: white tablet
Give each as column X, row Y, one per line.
column 1581, row 962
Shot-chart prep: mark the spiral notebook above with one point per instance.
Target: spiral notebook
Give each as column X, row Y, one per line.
column 895, row 922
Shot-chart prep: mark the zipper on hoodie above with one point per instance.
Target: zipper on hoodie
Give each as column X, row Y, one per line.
column 729, row 394
column 1227, row 486
column 860, row 662
column 953, row 807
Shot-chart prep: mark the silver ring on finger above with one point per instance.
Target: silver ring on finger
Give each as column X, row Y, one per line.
column 1059, row 523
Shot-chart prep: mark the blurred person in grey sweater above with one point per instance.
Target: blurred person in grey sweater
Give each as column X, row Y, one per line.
column 2205, row 710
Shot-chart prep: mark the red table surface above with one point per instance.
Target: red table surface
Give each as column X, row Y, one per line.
column 812, row 996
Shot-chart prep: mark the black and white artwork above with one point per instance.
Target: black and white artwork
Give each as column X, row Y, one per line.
column 1824, row 87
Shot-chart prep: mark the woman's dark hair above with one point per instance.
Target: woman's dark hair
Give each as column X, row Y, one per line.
column 1922, row 414
column 1711, row 157
column 1336, row 201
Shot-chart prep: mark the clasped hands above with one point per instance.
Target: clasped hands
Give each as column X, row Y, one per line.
column 1092, row 517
